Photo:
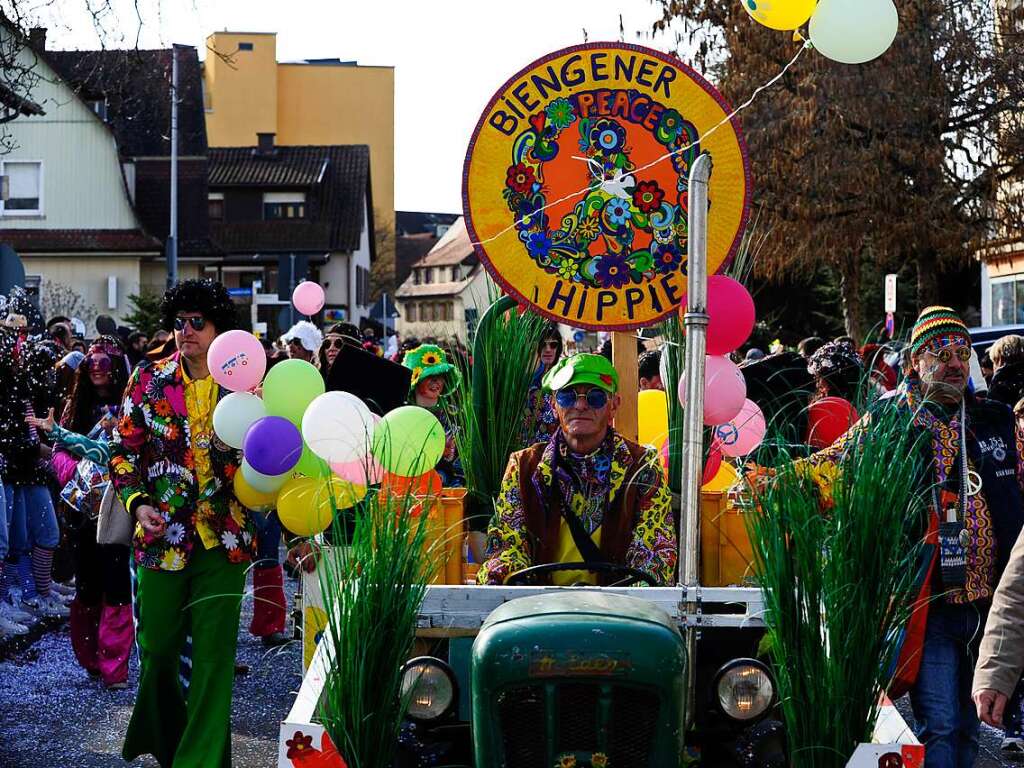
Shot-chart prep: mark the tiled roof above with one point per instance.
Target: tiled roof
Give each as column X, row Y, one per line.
column 60, row 240
column 453, row 248
column 243, row 167
column 137, row 87
column 336, row 178
column 408, row 250
column 415, row 222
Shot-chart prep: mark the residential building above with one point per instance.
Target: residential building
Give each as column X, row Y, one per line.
column 88, row 200
column 310, row 102
column 446, row 291
column 1002, row 257
column 282, row 214
column 415, row 234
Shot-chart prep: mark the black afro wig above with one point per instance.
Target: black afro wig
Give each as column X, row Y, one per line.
column 206, row 296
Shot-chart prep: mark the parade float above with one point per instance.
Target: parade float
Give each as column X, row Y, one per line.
column 603, row 184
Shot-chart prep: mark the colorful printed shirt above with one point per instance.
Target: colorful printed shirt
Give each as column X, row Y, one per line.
column 945, row 441
column 586, row 484
column 152, row 453
column 200, row 400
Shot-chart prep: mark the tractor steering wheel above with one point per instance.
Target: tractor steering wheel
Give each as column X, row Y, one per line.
column 528, row 576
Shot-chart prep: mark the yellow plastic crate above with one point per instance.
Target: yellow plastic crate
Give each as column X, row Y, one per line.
column 725, row 551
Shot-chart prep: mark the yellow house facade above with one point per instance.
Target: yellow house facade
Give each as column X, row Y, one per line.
column 313, row 102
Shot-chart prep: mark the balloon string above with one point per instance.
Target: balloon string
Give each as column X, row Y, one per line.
column 616, row 183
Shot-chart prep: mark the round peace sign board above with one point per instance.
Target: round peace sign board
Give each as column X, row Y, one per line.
column 559, row 199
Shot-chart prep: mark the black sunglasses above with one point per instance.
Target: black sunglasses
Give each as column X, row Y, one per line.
column 197, row 323
column 596, row 398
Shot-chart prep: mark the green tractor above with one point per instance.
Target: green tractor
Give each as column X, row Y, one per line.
column 585, row 676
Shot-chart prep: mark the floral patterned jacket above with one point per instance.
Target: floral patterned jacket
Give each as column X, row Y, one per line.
column 151, row 453
column 639, row 529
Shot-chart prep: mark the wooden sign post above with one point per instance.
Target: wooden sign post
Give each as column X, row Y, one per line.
column 624, row 358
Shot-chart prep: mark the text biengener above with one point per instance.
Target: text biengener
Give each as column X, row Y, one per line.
column 530, row 94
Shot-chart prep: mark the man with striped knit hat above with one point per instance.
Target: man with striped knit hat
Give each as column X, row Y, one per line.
column 971, row 479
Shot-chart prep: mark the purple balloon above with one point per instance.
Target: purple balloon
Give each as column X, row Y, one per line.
column 272, row 445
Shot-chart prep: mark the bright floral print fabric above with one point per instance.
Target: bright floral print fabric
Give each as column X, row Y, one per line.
column 945, row 441
column 153, row 452
column 653, row 547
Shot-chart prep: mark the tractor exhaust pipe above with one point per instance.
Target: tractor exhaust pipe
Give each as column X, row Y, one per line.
column 695, row 324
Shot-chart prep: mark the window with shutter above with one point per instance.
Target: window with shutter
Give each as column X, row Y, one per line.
column 24, row 187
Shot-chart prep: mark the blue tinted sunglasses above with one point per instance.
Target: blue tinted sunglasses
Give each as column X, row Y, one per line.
column 596, row 398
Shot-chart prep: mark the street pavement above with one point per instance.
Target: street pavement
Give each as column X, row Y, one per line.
column 988, row 753
column 51, row 713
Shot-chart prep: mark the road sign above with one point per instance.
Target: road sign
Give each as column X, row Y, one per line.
column 890, row 293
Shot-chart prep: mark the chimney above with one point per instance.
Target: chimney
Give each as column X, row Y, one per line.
column 265, row 144
column 37, row 38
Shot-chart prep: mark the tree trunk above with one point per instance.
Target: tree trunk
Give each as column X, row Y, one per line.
column 849, row 291
column 927, row 280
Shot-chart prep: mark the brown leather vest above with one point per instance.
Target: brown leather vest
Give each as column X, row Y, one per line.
column 544, row 514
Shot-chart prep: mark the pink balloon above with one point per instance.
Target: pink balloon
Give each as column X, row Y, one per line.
column 744, row 433
column 308, row 297
column 725, row 389
column 365, row 471
column 731, row 315
column 237, row 361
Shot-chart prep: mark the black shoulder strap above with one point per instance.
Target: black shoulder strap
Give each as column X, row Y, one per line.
column 589, row 551
column 583, row 540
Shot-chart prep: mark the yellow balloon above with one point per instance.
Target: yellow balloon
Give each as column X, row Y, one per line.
column 724, row 479
column 652, row 417
column 780, row 14
column 304, row 504
column 250, row 497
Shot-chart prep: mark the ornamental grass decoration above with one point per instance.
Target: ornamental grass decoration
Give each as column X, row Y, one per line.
column 491, row 405
column 837, row 582
column 373, row 580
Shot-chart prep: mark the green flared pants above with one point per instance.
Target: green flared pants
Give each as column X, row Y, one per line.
column 205, row 599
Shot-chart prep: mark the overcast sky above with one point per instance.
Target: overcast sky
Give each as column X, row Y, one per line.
column 450, row 56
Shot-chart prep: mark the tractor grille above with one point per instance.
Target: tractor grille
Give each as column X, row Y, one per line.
column 521, row 711
column 586, row 717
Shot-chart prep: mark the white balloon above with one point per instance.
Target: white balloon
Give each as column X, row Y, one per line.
column 259, row 481
column 853, row 31
column 338, row 427
column 233, row 416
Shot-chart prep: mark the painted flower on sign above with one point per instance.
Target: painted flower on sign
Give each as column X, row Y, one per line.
column 520, row 177
column 612, row 270
column 667, row 258
column 619, row 212
column 607, row 136
column 648, row 196
column 560, row 113
column 539, row 245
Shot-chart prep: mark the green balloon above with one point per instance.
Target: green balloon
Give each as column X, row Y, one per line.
column 310, row 464
column 289, row 387
column 409, row 441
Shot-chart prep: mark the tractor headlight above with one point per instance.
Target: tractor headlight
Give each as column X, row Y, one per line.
column 744, row 689
column 428, row 684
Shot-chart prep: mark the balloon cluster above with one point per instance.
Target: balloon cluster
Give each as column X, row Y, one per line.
column 306, row 451
column 847, row 31
column 739, row 424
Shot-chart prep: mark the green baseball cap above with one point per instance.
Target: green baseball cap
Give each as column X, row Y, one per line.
column 582, row 369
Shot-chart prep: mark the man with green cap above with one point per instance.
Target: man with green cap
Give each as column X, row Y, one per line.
column 587, row 495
